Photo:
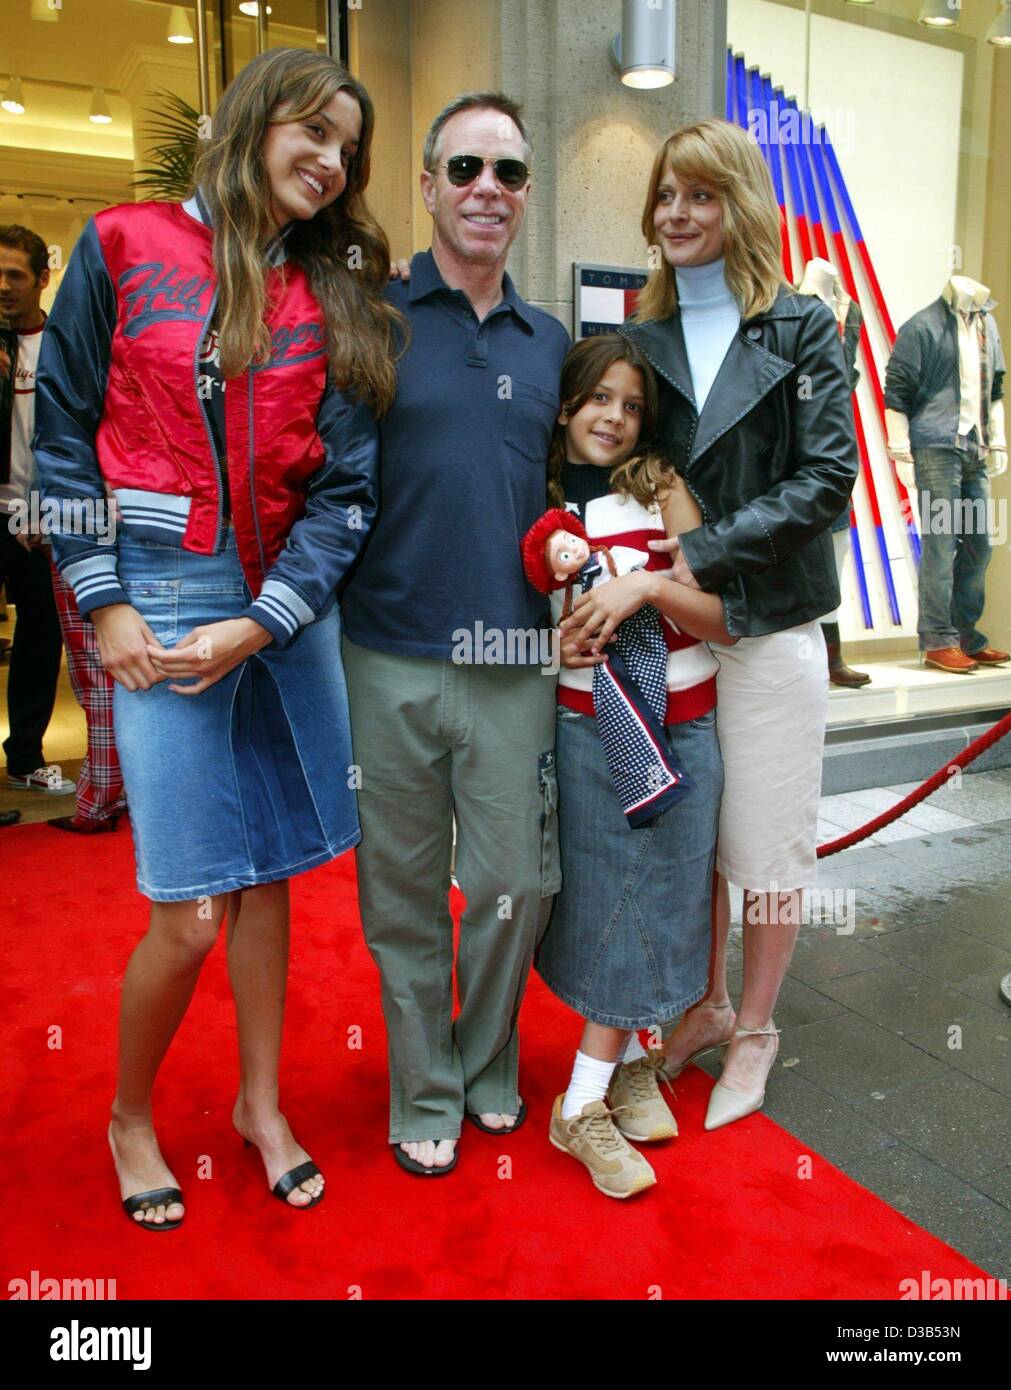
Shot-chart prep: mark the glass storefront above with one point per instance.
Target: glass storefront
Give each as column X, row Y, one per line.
column 882, row 123
column 110, row 94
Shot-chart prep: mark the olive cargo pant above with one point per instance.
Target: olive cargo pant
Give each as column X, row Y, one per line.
column 434, row 740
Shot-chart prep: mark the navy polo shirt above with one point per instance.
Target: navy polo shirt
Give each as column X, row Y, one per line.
column 462, row 476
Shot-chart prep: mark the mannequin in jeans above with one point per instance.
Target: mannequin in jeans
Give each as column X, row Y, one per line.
column 953, row 565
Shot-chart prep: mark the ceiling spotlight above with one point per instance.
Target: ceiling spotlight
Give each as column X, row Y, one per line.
column 251, row 7
column 100, row 112
column 13, row 100
column 999, row 33
column 643, row 53
column 45, row 11
column 179, row 28
column 940, row 14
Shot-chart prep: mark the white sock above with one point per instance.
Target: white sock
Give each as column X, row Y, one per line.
column 633, row 1049
column 590, row 1080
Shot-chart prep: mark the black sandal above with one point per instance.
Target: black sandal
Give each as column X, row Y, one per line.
column 411, row 1165
column 521, row 1115
column 157, row 1197
column 295, row 1177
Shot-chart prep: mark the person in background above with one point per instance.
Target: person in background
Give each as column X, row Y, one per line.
column 101, row 799
column 24, row 552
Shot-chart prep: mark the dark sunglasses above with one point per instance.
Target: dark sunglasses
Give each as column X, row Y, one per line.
column 465, row 168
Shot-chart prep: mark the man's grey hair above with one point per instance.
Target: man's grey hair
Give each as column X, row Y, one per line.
column 472, row 101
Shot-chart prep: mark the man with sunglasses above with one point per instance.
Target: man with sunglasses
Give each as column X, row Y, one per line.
column 452, row 715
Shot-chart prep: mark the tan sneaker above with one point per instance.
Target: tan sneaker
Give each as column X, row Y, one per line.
column 634, row 1094
column 615, row 1167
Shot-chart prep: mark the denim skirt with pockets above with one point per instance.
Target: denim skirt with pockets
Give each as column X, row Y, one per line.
column 629, row 939
column 250, row 781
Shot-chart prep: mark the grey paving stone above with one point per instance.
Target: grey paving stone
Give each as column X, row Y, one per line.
column 986, row 988
column 987, row 853
column 953, row 1120
column 820, row 954
column 940, row 951
column 851, row 1057
column 798, row 1004
column 984, row 1052
column 942, row 1203
column 997, row 1186
column 905, row 1001
column 824, row 1122
column 983, row 910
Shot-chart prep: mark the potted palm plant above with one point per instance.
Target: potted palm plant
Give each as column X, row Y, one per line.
column 176, row 128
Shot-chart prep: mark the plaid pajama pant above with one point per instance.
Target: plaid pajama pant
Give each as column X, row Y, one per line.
column 100, row 783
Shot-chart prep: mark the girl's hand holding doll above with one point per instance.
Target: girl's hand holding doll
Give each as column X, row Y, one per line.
column 597, row 613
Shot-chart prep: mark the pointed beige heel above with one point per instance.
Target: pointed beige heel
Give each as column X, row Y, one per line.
column 672, row 1074
column 726, row 1105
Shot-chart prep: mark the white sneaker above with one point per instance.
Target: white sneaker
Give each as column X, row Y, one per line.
column 43, row 779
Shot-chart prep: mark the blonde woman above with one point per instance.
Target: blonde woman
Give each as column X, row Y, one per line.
column 755, row 414
column 241, row 511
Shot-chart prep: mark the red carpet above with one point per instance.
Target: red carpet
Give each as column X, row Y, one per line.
column 729, row 1219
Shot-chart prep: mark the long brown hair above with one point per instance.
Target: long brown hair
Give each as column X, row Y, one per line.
column 586, row 364
column 231, row 175
column 725, row 158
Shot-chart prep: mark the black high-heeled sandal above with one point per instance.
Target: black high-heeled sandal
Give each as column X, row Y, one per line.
column 295, row 1177
column 157, row 1197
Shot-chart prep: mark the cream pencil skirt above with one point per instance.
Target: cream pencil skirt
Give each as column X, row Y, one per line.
column 772, row 705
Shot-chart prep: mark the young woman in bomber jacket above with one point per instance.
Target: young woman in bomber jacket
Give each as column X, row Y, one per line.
column 241, row 511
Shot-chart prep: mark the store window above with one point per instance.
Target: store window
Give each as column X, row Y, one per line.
column 882, row 124
column 103, row 98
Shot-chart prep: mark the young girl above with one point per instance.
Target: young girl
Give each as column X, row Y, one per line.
column 241, row 510
column 628, row 943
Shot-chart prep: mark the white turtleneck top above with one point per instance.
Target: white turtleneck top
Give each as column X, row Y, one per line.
column 710, row 316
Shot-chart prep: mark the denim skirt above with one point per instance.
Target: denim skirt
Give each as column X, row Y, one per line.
column 629, row 939
column 250, row 781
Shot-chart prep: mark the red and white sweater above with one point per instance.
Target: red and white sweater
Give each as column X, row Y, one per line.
column 615, row 520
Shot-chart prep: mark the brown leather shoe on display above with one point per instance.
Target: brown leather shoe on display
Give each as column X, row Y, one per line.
column 989, row 656
column 838, row 672
column 841, row 674
column 950, row 659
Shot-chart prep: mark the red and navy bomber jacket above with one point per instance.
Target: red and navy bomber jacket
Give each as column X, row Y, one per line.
column 119, row 406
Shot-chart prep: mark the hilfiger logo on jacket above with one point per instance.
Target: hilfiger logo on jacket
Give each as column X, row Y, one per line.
column 155, row 443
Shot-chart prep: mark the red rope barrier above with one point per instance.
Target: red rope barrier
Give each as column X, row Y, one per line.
column 967, row 755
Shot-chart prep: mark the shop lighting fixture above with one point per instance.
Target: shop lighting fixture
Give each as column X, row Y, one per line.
column 643, row 53
column 44, row 11
column 100, row 112
column 940, row 14
column 251, row 7
column 13, row 100
column 861, row 2
column 179, row 28
column 999, row 32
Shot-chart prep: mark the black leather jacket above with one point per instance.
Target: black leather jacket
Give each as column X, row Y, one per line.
column 771, row 461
